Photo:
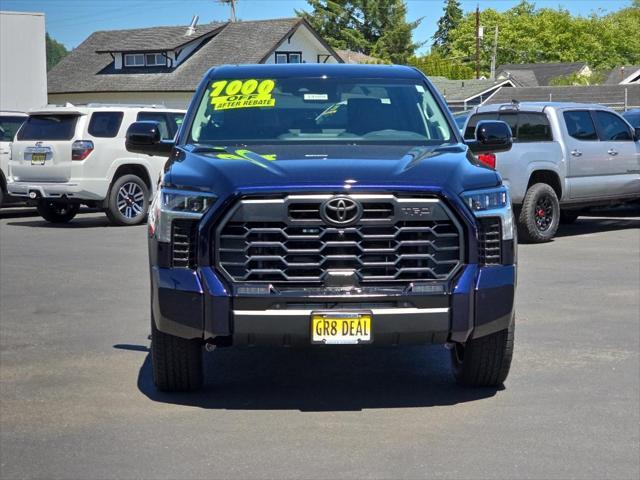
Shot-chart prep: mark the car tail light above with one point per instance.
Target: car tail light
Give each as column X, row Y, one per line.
column 81, row 149
column 488, row 159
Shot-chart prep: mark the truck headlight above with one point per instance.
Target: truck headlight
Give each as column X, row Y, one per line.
column 493, row 202
column 170, row 203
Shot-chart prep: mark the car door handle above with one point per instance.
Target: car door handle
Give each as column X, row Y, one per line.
column 612, row 152
column 576, row 153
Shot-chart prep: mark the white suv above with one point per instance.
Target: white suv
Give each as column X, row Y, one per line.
column 9, row 124
column 63, row 157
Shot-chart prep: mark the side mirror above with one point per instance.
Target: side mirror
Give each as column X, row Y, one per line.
column 144, row 137
column 491, row 137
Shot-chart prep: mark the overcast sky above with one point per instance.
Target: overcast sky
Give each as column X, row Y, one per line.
column 71, row 21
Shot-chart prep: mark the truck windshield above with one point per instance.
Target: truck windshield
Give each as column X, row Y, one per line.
column 313, row 110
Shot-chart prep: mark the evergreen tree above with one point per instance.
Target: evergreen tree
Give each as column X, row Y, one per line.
column 448, row 22
column 55, row 51
column 373, row 27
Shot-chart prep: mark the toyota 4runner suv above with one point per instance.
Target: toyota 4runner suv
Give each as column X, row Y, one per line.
column 63, row 157
column 565, row 157
column 314, row 205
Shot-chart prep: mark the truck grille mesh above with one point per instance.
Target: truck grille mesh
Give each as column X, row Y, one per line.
column 379, row 249
column 183, row 243
column 490, row 241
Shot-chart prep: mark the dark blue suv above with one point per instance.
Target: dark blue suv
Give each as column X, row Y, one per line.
column 312, row 205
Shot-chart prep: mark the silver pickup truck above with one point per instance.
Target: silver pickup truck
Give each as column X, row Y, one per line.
column 565, row 157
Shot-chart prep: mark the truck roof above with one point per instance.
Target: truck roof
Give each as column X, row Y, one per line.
column 314, row 70
column 536, row 106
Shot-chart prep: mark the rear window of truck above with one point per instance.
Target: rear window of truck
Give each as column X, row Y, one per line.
column 48, row 127
column 525, row 126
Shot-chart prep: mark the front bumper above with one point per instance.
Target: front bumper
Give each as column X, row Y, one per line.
column 197, row 304
column 80, row 190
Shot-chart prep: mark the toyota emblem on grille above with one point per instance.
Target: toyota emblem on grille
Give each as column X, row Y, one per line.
column 341, row 211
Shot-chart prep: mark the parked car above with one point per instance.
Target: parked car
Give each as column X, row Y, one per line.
column 633, row 117
column 565, row 157
column 10, row 122
column 63, row 157
column 272, row 228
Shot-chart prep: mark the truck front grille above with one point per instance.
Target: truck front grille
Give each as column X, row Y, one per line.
column 286, row 241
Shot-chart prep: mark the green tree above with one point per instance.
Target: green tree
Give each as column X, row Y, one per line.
column 373, row 27
column 530, row 35
column 448, row 21
column 55, row 51
column 435, row 65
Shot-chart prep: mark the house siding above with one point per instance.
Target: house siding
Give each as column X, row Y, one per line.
column 303, row 41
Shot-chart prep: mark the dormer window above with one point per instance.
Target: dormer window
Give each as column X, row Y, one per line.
column 144, row 60
column 288, row 57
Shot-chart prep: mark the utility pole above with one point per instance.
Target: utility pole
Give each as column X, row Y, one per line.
column 478, row 41
column 494, row 55
column 232, row 4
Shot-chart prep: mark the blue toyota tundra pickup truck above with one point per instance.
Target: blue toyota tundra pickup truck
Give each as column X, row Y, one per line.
column 312, row 205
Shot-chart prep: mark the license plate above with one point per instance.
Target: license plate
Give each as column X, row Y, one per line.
column 38, row 158
column 341, row 328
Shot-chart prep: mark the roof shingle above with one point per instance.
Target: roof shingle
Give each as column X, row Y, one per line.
column 86, row 70
column 543, row 72
column 461, row 90
column 154, row 39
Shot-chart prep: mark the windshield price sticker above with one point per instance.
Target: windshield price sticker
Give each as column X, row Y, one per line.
column 226, row 95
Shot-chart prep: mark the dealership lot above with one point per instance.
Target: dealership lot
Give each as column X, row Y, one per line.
column 77, row 401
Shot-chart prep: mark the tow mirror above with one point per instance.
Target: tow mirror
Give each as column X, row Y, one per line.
column 492, row 136
column 144, row 137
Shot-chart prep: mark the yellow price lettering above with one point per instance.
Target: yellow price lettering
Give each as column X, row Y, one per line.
column 217, row 87
column 266, row 87
column 233, row 87
column 245, row 87
column 249, row 87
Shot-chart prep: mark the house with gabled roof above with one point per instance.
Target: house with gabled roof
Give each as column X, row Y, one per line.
column 463, row 95
column 163, row 65
column 540, row 74
column 624, row 75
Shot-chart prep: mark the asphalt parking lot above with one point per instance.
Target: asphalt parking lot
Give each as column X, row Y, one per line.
column 76, row 398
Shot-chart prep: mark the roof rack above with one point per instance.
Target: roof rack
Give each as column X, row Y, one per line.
column 514, row 105
column 124, row 105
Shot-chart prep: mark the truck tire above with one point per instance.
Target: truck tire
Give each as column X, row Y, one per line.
column 57, row 212
column 128, row 201
column 567, row 217
column 484, row 361
column 177, row 363
column 539, row 216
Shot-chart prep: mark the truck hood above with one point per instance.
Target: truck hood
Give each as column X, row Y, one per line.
column 225, row 170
